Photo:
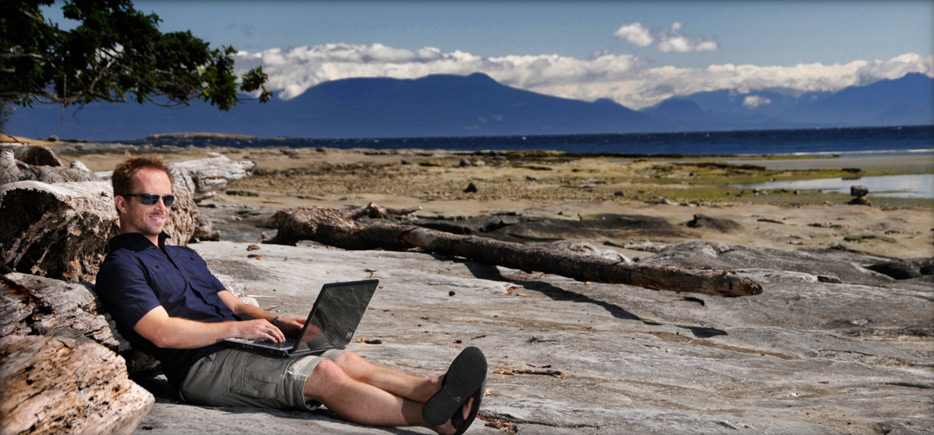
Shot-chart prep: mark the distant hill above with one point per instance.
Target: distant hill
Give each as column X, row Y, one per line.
column 905, row 101
column 476, row 105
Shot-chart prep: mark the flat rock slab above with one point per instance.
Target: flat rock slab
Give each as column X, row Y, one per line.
column 573, row 357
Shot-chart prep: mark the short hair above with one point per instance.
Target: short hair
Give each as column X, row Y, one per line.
column 122, row 177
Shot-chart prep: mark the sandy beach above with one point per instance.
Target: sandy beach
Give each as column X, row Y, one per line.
column 456, row 185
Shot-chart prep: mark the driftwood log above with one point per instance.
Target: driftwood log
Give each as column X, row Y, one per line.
column 56, row 230
column 341, row 228
column 58, row 369
column 62, row 384
column 36, row 305
column 205, row 177
column 40, row 164
column 31, row 305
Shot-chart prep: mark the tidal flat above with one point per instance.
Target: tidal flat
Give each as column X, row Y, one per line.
column 458, row 185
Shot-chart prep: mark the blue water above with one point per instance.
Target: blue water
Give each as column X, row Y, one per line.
column 898, row 186
column 839, row 141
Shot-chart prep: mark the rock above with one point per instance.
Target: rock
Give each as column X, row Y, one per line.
column 471, row 188
column 719, row 256
column 859, row 190
column 719, row 224
column 860, row 200
column 904, row 269
column 204, row 229
column 62, row 384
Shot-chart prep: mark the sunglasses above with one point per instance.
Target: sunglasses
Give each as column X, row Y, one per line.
column 152, row 199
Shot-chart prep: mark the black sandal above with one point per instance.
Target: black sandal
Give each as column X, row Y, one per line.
column 464, row 379
column 459, row 422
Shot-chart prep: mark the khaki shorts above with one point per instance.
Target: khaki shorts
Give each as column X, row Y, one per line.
column 239, row 378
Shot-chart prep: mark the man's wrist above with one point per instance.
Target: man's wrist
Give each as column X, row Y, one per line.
column 274, row 320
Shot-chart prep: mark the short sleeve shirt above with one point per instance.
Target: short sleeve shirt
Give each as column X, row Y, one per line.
column 137, row 276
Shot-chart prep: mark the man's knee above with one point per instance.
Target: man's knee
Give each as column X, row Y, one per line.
column 323, row 379
column 349, row 359
column 328, row 372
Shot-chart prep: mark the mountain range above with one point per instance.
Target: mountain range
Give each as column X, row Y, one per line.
column 477, row 105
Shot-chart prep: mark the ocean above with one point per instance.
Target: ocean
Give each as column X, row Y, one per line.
column 827, row 141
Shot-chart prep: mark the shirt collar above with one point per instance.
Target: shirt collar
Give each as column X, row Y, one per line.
column 134, row 241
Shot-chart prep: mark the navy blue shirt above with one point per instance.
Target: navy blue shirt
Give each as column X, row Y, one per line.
column 137, row 276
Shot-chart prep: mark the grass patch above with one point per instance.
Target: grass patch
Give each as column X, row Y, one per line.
column 533, row 154
column 534, row 167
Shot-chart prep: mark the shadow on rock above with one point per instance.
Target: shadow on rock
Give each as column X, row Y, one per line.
column 485, row 271
column 521, row 229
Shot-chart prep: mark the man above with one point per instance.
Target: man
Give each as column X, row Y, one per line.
column 165, row 295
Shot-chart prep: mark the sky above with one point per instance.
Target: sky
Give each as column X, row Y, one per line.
column 636, row 53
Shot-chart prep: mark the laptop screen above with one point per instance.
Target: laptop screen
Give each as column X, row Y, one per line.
column 336, row 314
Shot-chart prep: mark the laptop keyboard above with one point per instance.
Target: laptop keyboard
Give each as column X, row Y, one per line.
column 287, row 344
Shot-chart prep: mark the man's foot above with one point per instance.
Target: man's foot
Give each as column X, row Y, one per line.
column 463, row 417
column 468, row 412
column 463, row 381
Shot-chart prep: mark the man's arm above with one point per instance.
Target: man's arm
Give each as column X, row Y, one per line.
column 288, row 325
column 178, row 333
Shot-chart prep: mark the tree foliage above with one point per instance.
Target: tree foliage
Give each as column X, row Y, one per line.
column 114, row 54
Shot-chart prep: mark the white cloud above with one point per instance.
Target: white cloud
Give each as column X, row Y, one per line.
column 635, row 34
column 672, row 41
column 626, row 79
column 753, row 101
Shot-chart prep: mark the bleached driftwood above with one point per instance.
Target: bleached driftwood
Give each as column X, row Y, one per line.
column 31, row 305
column 59, row 371
column 41, row 164
column 206, row 177
column 65, row 384
column 339, row 228
column 56, row 230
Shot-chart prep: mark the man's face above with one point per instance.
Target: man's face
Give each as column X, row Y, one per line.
column 136, row 217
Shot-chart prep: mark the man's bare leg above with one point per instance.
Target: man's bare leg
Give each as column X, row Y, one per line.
column 396, row 382
column 358, row 401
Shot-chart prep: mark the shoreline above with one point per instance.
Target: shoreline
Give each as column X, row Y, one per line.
column 905, row 161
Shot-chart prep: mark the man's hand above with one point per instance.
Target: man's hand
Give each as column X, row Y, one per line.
column 291, row 325
column 259, row 329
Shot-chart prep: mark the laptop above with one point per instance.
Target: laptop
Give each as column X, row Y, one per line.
column 330, row 324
